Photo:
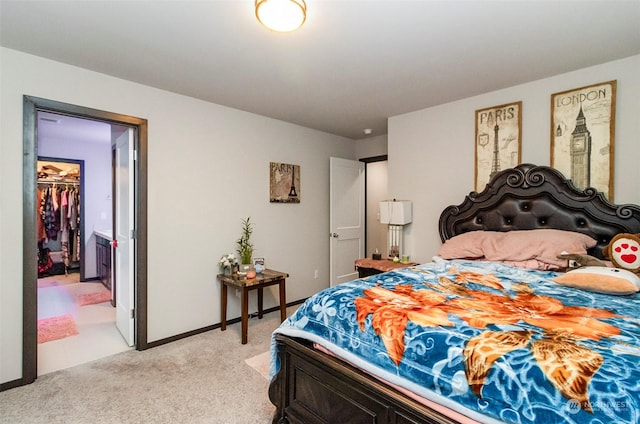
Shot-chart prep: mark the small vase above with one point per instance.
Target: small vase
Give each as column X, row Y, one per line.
column 248, row 270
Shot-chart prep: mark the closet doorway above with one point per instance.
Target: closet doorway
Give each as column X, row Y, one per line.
column 33, row 109
column 60, row 217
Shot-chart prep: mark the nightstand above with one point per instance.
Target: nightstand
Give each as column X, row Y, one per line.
column 367, row 267
column 267, row 278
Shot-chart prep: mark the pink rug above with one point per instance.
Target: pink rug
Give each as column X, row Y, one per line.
column 95, row 297
column 55, row 328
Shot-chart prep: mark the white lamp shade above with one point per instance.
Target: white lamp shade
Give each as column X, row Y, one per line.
column 396, row 212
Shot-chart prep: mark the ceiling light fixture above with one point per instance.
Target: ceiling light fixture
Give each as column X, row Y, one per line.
column 281, row 15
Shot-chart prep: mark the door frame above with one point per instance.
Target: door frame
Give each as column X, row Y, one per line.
column 31, row 106
column 367, row 161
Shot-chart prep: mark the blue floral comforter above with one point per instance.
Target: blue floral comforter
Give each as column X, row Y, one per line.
column 494, row 342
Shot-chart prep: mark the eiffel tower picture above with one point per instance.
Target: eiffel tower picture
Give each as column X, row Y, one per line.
column 284, row 183
column 498, row 141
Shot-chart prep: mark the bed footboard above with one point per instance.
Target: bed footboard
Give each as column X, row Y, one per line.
column 313, row 387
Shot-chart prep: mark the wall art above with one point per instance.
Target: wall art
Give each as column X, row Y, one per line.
column 284, row 183
column 498, row 141
column 582, row 135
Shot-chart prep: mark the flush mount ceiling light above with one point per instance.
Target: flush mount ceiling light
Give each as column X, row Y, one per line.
column 281, row 15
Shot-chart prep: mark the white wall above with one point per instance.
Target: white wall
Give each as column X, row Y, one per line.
column 208, row 169
column 371, row 146
column 431, row 151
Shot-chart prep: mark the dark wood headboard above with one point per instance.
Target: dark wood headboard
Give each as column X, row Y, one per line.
column 530, row 197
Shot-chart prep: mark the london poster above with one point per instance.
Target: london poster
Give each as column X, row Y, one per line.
column 582, row 135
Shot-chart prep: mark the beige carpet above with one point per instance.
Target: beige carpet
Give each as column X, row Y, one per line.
column 200, row 379
column 260, row 363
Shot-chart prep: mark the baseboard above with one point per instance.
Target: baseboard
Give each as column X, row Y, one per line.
column 214, row 327
column 12, row 384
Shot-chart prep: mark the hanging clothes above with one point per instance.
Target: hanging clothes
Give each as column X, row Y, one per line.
column 72, row 214
column 51, row 223
column 64, row 228
column 59, row 221
column 77, row 226
column 40, row 231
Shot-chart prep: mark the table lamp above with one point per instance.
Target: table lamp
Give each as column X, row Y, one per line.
column 395, row 213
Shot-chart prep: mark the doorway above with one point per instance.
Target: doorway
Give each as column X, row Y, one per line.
column 376, row 190
column 346, row 218
column 60, row 184
column 31, row 107
column 356, row 189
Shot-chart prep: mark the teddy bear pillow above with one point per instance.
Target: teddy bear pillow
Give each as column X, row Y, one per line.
column 624, row 252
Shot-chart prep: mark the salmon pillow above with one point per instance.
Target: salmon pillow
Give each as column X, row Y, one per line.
column 601, row 280
column 520, row 246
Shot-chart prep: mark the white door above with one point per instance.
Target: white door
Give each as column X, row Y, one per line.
column 346, row 218
column 124, row 246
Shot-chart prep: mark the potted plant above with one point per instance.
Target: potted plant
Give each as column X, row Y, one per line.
column 245, row 247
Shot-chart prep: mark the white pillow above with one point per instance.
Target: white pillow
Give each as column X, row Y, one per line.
column 601, row 279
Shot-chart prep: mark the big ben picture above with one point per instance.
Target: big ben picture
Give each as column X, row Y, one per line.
column 582, row 136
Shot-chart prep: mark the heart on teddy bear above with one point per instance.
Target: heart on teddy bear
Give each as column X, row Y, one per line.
column 627, row 257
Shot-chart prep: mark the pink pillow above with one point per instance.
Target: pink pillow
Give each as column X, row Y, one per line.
column 543, row 245
column 467, row 245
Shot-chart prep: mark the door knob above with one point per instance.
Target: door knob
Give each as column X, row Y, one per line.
column 334, row 235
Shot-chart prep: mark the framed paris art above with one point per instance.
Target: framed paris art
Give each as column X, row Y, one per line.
column 498, row 141
column 284, row 183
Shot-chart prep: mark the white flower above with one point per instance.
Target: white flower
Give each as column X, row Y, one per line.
column 227, row 261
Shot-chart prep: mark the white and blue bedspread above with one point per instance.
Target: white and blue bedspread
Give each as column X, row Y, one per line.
column 494, row 342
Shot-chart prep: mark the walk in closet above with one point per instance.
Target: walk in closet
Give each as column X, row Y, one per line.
column 59, row 218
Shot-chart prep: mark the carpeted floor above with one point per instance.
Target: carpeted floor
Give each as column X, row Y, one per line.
column 260, row 363
column 200, row 379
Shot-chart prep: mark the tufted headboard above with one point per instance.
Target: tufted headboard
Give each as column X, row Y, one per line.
column 530, row 197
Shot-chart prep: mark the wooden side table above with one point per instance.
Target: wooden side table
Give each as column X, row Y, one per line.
column 267, row 278
column 367, row 267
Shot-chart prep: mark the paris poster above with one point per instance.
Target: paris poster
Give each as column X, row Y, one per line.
column 498, row 141
column 284, row 183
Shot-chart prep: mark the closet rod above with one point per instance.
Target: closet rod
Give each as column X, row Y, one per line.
column 59, row 182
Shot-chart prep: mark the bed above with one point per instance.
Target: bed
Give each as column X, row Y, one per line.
column 479, row 338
